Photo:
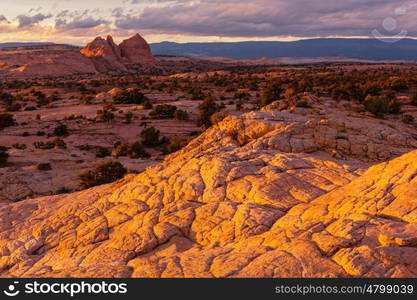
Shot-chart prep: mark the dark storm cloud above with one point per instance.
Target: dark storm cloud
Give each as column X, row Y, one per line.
column 269, row 17
column 27, row 20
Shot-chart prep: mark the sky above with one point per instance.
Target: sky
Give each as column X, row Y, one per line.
column 79, row 21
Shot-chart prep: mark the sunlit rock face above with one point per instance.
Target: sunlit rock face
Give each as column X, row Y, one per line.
column 107, row 55
column 318, row 192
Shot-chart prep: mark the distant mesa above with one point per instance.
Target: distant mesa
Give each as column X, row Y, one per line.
column 53, row 60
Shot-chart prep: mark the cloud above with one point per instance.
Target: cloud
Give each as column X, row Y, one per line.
column 188, row 20
column 26, row 20
column 66, row 20
column 236, row 18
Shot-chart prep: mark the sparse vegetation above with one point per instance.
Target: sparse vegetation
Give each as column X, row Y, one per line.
column 133, row 150
column 377, row 105
column 130, row 96
column 44, row 167
column 205, row 111
column 4, row 156
column 271, row 93
column 6, row 120
column 150, row 137
column 104, row 172
column 174, row 145
column 61, row 130
column 163, row 111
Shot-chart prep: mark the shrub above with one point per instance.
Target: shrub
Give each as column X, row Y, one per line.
column 406, row 118
column 174, row 145
column 59, row 143
column 137, row 150
column 150, row 137
column 271, row 93
column 103, row 172
column 4, row 156
column 377, row 105
column 13, row 107
column 6, row 120
column 133, row 150
column 121, row 150
column 6, row 98
column 44, row 167
column 19, row 146
column 43, row 145
column 102, row 152
column 241, row 95
column 56, row 143
column 219, row 116
column 206, row 110
column 105, row 115
column 128, row 117
column 61, row 130
column 181, row 115
column 163, row 111
column 130, row 96
column 394, row 107
column 147, row 105
column 414, row 99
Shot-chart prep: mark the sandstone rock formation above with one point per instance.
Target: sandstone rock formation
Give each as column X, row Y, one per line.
column 101, row 55
column 266, row 194
column 107, row 55
column 136, row 50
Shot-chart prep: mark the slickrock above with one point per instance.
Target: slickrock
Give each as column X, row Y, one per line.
column 56, row 60
column 265, row 194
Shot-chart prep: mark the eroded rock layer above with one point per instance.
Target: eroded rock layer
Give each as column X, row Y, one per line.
column 266, row 194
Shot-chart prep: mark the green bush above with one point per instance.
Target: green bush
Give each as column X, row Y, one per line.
column 130, row 96
column 6, row 120
column 205, row 111
column 55, row 143
column 174, row 145
column 19, row 146
column 181, row 115
column 105, row 115
column 59, row 143
column 150, row 137
column 271, row 93
column 103, row 172
column 4, row 156
column 163, row 111
column 377, row 105
column 61, row 130
column 147, row 105
column 102, row 152
column 44, row 167
column 6, row 98
column 128, row 117
column 133, row 150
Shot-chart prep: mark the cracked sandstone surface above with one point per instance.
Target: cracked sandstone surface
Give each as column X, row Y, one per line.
column 320, row 192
